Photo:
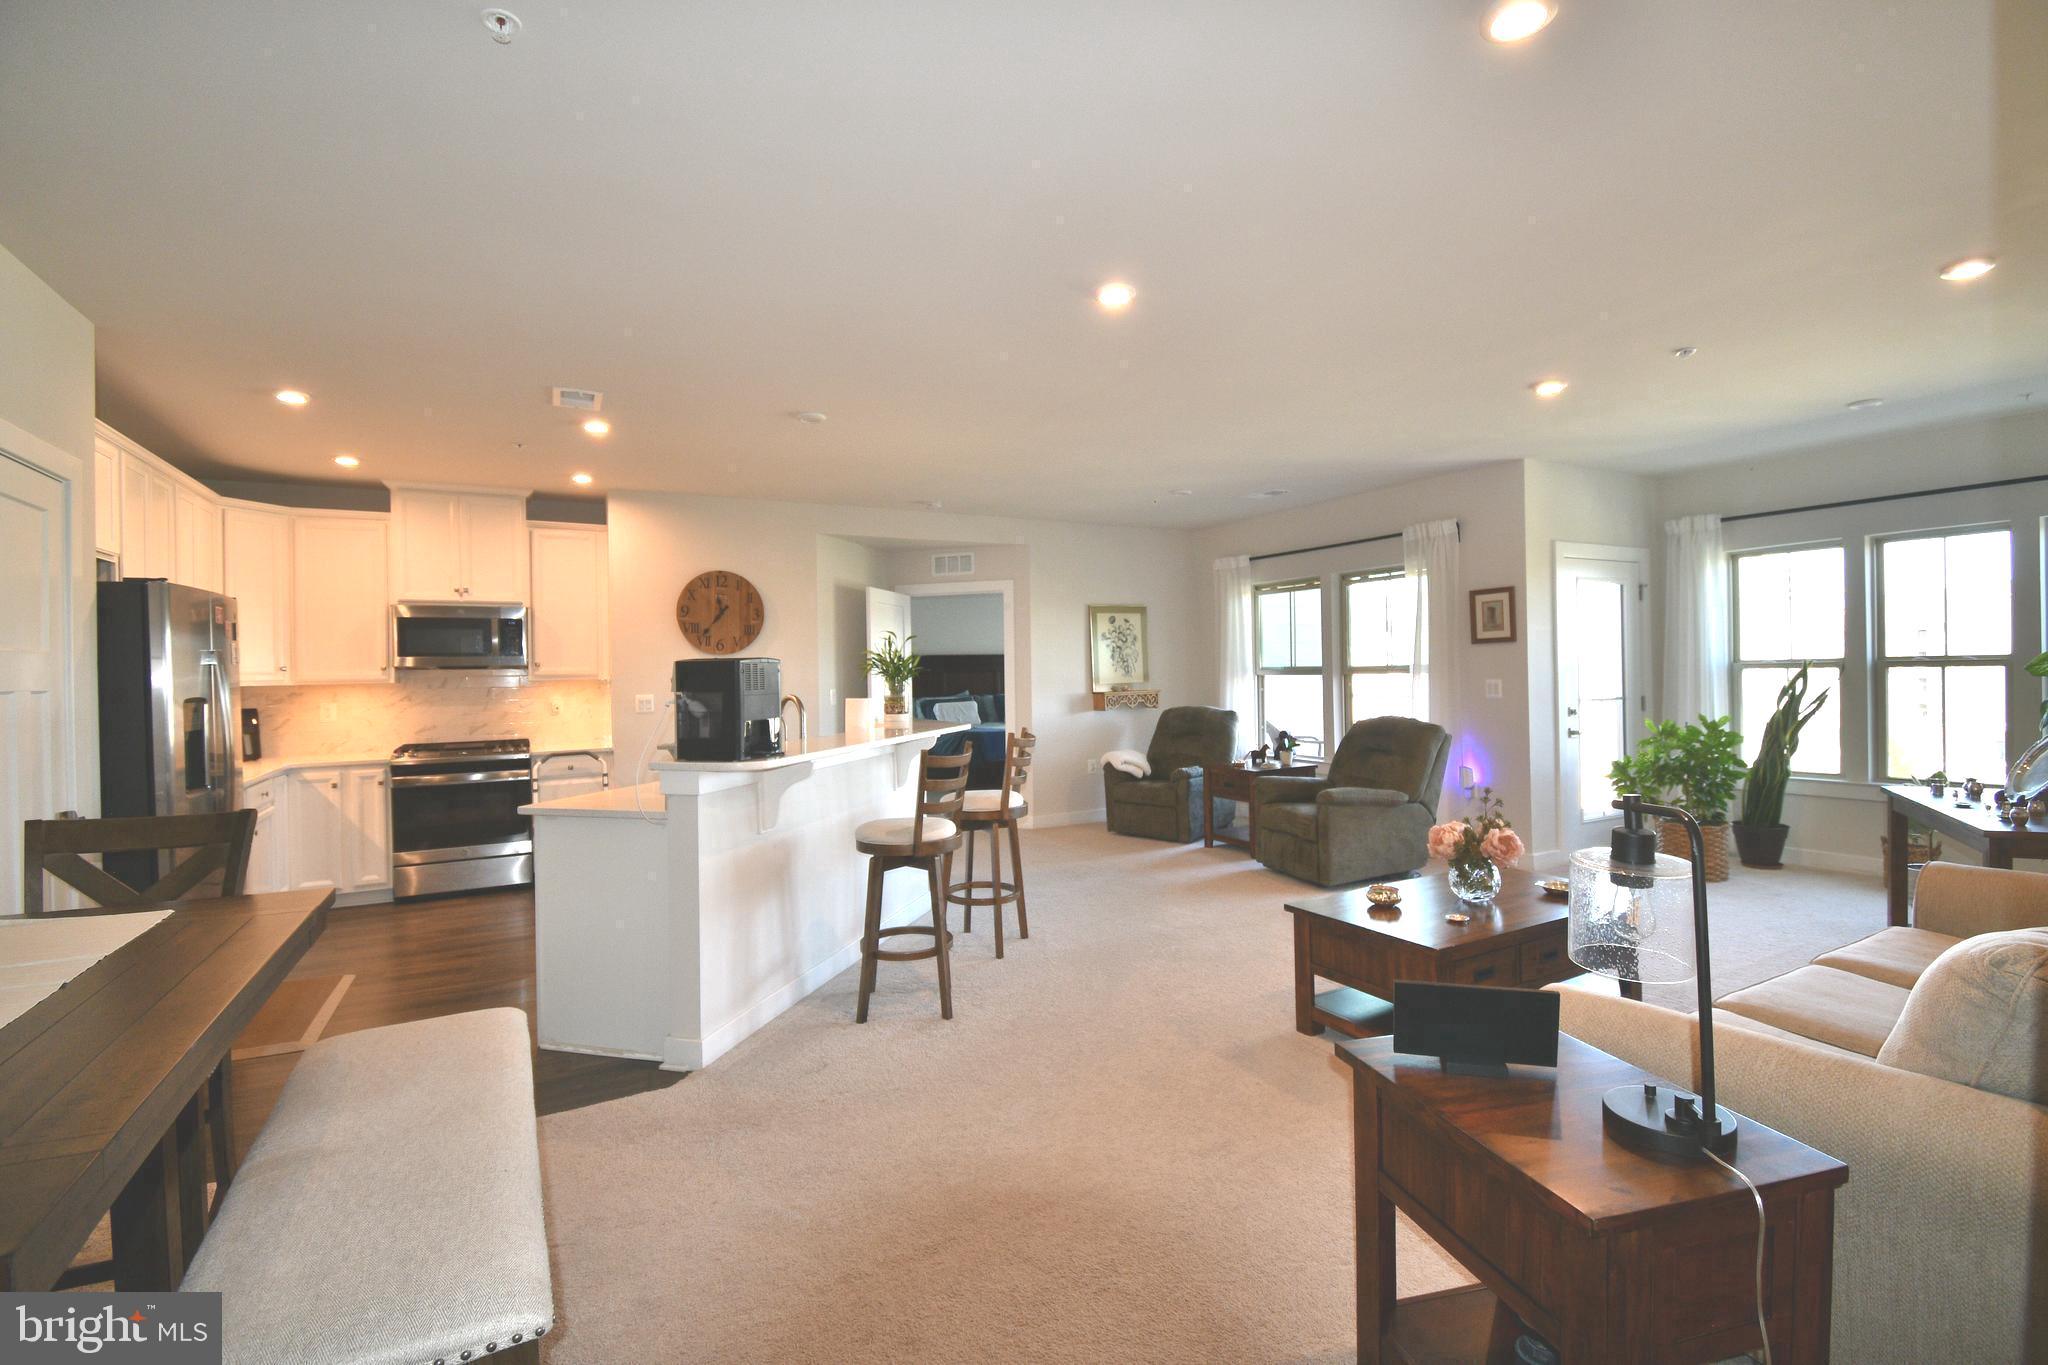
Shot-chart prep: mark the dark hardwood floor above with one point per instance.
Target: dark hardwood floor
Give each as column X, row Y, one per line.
column 430, row 957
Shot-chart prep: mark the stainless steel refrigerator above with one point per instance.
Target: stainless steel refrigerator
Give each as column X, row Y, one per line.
column 167, row 706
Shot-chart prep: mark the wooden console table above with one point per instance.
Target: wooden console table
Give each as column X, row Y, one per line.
column 1973, row 824
column 1607, row 1254
column 1236, row 782
column 1365, row 948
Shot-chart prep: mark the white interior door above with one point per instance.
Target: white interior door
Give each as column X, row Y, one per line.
column 887, row 612
column 1601, row 690
column 35, row 587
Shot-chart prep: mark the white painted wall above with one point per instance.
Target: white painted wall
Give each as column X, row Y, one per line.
column 846, row 570
column 658, row 541
column 971, row 623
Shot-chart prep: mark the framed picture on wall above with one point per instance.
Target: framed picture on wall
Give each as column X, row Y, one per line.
column 1116, row 647
column 1493, row 616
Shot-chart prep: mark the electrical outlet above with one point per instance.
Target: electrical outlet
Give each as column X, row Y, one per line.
column 1094, row 765
column 1468, row 782
column 1493, row 689
column 643, row 702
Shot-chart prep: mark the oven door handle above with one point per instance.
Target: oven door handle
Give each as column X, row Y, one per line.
column 524, row 776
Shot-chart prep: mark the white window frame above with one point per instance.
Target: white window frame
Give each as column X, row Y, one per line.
column 1738, row 665
column 1321, row 584
column 1881, row 663
column 1344, row 668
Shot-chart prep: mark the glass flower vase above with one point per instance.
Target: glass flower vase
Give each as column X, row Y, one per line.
column 1476, row 882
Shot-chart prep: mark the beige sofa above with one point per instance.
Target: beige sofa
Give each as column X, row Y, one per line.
column 1941, row 1235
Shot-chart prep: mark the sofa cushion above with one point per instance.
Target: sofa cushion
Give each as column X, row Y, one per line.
column 1728, row 1019
column 1393, row 752
column 1288, row 817
column 1977, row 1017
column 1192, row 737
column 1148, row 791
column 1894, row 956
column 1849, row 1011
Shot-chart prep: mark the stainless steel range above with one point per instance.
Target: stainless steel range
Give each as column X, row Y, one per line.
column 455, row 821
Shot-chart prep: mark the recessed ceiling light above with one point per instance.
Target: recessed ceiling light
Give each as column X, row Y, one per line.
column 292, row 398
column 1182, row 492
column 813, row 418
column 1268, row 493
column 1684, row 352
column 580, row 479
column 1548, row 388
column 1967, row 269
column 597, row 426
column 1862, row 404
column 1518, row 20
column 1115, row 296
column 347, row 461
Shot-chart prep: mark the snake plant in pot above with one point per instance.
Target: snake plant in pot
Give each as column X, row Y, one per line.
column 1760, row 833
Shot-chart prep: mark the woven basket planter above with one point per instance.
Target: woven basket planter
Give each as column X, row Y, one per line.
column 1671, row 839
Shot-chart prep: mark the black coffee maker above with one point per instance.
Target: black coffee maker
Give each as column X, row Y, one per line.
column 728, row 710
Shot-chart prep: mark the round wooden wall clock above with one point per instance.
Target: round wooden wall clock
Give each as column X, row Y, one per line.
column 720, row 612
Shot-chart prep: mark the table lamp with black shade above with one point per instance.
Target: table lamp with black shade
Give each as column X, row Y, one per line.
column 1629, row 921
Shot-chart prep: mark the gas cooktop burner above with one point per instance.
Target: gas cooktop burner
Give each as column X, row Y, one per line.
column 465, row 748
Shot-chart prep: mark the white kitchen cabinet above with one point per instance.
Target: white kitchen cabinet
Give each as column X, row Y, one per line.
column 196, row 532
column 453, row 546
column 339, row 820
column 366, row 828
column 148, row 519
column 567, row 627
column 269, row 855
column 560, row 775
column 257, row 569
column 106, row 497
column 341, row 613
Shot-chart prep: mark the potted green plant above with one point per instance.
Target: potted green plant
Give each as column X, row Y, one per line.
column 895, row 664
column 1696, row 766
column 1760, row 833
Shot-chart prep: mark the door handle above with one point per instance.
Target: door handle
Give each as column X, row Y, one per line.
column 1573, row 734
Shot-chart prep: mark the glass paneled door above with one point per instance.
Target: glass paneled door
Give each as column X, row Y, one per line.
column 1600, row 685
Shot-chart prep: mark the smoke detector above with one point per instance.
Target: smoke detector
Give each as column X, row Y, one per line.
column 503, row 24
column 582, row 400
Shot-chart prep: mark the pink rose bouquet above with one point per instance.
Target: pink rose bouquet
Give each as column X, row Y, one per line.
column 1483, row 836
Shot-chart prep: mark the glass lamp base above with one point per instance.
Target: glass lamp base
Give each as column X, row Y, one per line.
column 1649, row 1118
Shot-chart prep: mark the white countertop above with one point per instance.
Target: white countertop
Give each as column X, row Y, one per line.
column 631, row 803
column 817, row 748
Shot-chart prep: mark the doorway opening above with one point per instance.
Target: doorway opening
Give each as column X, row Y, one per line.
column 966, row 635
column 1602, row 687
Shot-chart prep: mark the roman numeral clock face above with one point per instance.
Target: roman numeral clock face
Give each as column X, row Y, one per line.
column 720, row 612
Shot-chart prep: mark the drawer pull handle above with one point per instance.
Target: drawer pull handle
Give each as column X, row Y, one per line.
column 1482, row 974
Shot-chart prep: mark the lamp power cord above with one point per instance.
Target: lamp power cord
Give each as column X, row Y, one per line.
column 1762, row 1331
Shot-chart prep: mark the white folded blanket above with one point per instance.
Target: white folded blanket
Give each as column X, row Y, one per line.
column 1128, row 761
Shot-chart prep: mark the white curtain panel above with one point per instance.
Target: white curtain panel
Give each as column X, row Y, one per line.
column 1234, row 636
column 1695, row 619
column 1429, row 559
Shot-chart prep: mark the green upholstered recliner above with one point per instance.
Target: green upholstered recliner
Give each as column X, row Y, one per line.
column 1168, row 804
column 1369, row 818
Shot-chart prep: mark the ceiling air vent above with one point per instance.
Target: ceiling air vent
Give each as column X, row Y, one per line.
column 953, row 565
column 583, row 400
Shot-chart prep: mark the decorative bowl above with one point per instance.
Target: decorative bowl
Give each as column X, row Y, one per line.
column 1557, row 888
column 1380, row 893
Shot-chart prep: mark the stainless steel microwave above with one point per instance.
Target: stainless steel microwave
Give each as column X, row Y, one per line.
column 479, row 635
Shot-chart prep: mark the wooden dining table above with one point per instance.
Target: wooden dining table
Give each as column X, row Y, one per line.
column 101, row 1086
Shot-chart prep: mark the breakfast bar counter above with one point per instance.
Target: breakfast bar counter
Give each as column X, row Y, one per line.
column 676, row 917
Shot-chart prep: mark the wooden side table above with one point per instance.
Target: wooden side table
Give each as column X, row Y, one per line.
column 1237, row 782
column 1608, row 1254
column 1973, row 824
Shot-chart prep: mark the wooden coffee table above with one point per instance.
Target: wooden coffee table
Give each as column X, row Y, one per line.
column 1364, row 948
column 1611, row 1256
column 1237, row 782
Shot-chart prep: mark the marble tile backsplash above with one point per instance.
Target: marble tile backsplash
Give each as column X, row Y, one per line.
column 373, row 718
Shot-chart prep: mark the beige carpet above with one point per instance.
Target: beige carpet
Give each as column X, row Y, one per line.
column 1119, row 1149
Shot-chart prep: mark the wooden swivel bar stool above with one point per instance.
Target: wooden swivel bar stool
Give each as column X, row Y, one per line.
column 926, row 840
column 992, row 812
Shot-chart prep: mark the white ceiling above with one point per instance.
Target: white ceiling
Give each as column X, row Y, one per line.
column 1358, row 231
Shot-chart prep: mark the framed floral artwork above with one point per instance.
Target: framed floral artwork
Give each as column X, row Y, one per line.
column 1116, row 647
column 1493, row 616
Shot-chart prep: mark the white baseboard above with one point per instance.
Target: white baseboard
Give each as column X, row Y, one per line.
column 1037, row 820
column 1826, row 860
column 623, row 1053
column 1550, row 860
column 688, row 1054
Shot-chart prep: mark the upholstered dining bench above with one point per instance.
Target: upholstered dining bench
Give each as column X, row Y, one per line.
column 389, row 1213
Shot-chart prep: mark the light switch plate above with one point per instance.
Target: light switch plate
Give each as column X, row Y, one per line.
column 1094, row 765
column 1493, row 689
column 643, row 702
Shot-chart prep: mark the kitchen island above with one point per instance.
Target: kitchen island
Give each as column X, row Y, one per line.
column 676, row 917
